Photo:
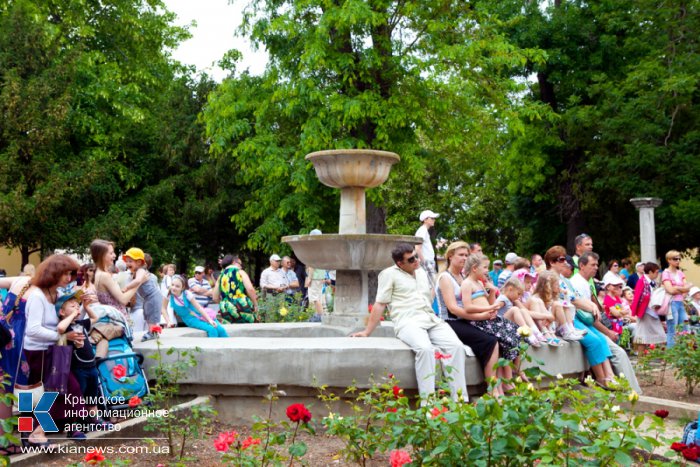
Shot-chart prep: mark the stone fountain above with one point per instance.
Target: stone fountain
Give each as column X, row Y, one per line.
column 297, row 357
column 352, row 252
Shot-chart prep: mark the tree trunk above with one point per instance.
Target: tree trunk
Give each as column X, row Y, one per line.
column 24, row 250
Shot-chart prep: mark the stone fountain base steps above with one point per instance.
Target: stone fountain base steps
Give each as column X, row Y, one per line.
column 299, row 356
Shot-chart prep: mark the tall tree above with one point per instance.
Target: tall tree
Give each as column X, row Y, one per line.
column 425, row 79
column 78, row 80
column 622, row 82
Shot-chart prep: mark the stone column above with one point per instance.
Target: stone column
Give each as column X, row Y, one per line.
column 647, row 228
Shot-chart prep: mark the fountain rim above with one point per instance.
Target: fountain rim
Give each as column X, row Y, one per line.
column 352, row 152
column 412, row 239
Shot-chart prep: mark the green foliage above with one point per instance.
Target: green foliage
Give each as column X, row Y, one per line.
column 277, row 309
column 268, row 438
column 684, row 358
column 558, row 424
column 426, row 80
column 179, row 427
column 621, row 83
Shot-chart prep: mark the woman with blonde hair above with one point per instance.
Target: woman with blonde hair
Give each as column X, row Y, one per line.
column 449, row 296
column 675, row 284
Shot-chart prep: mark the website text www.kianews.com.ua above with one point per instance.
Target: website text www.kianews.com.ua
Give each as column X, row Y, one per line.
column 69, row 448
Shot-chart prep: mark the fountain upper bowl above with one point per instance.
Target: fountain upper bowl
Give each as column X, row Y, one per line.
column 361, row 168
column 367, row 252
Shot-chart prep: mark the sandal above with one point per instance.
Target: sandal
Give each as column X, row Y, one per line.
column 10, row 450
column 35, row 444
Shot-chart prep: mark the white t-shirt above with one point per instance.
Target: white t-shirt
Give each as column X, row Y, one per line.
column 409, row 297
column 582, row 286
column 42, row 322
column 427, row 247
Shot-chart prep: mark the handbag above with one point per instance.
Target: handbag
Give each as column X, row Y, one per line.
column 660, row 301
column 59, row 369
column 36, row 389
column 585, row 317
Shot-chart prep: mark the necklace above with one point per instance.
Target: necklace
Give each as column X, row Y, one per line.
column 50, row 295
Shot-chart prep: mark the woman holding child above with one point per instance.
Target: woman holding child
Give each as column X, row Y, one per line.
column 449, row 295
column 481, row 310
column 42, row 332
column 108, row 291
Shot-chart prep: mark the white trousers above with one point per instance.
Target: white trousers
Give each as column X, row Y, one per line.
column 620, row 363
column 424, row 342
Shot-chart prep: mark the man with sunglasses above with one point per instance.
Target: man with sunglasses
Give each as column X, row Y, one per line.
column 406, row 289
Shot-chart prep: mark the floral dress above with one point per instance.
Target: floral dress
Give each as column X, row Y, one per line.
column 505, row 331
column 235, row 305
column 13, row 363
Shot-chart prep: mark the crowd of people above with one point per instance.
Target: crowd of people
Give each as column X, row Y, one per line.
column 555, row 297
column 552, row 297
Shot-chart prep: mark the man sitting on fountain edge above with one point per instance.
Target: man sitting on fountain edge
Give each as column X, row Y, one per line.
column 405, row 287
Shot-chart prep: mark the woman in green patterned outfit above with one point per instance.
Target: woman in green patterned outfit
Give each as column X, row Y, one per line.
column 235, row 293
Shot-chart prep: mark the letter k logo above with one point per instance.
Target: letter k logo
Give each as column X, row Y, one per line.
column 41, row 412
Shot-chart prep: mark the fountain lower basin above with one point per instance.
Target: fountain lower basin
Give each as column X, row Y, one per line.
column 358, row 252
column 299, row 357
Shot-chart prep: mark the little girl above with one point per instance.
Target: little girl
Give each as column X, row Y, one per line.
column 481, row 305
column 513, row 309
column 189, row 310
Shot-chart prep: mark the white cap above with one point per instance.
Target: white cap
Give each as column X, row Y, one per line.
column 275, row 257
column 428, row 213
column 610, row 278
column 498, row 261
column 199, row 269
column 511, row 258
column 693, row 291
column 638, row 264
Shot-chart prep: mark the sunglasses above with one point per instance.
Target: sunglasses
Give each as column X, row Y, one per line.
column 614, row 265
column 561, row 259
column 677, row 258
column 412, row 259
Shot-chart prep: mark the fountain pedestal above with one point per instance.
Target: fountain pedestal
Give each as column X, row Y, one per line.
column 352, row 252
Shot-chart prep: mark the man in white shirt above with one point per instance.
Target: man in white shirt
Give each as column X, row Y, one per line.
column 406, row 288
column 290, row 276
column 273, row 279
column 426, row 253
column 200, row 287
column 588, row 267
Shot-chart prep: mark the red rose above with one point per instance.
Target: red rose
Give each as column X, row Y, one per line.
column 298, row 412
column 93, row 457
column 441, row 356
column 391, row 409
column 398, row 392
column 436, row 411
column 652, row 346
column 249, row 441
column 691, row 453
column 156, row 329
column 119, row 371
column 220, row 446
column 678, row 447
column 134, row 401
column 398, row 458
column 661, row 413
